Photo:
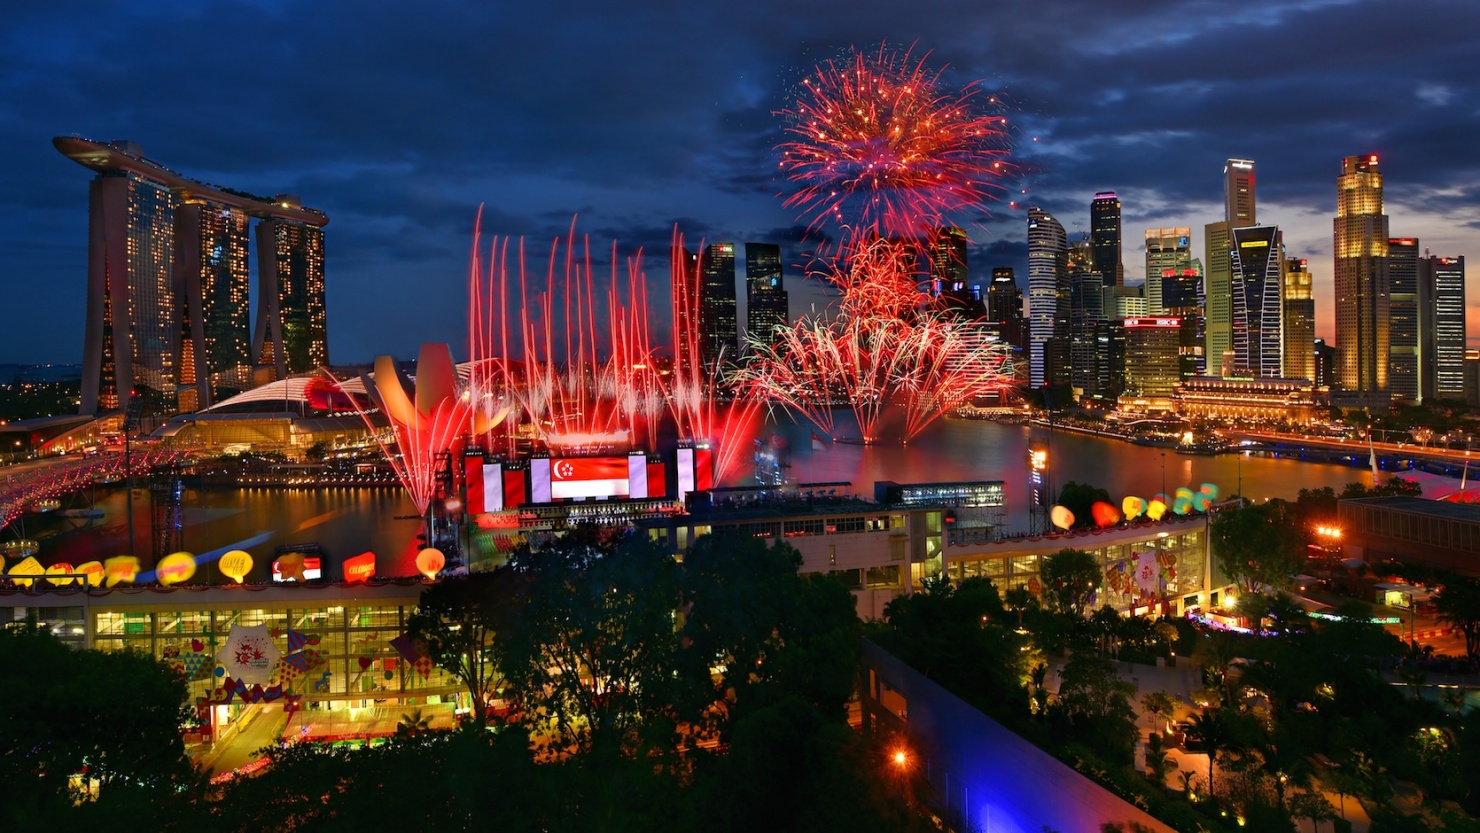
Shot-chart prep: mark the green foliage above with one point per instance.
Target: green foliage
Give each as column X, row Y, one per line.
column 1094, row 707
column 1256, row 546
column 1070, row 580
column 460, row 619
column 115, row 715
column 1458, row 604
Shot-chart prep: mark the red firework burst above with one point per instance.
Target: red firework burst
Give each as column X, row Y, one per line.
column 879, row 144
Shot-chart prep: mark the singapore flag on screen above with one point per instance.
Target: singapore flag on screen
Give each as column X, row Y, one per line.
column 588, row 477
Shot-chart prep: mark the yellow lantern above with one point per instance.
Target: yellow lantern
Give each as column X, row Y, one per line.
column 59, row 569
column 236, row 564
column 94, row 572
column 175, row 568
column 28, row 566
column 120, row 569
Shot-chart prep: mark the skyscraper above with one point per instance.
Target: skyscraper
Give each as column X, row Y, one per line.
column 1168, row 252
column 1239, row 209
column 1046, row 258
column 948, row 273
column 1447, row 277
column 1083, row 295
column 212, row 244
column 1005, row 305
column 167, row 306
column 1298, row 326
column 1408, row 339
column 719, row 325
column 1360, row 234
column 766, row 299
column 1104, row 230
column 290, row 337
column 688, row 310
column 1256, row 268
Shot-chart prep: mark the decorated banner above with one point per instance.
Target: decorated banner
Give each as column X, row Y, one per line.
column 249, row 655
column 413, row 651
column 1148, row 573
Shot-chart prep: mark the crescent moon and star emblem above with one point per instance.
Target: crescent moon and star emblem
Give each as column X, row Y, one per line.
column 565, row 469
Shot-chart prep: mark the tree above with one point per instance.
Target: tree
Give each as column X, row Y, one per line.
column 1070, row 579
column 115, row 716
column 1160, row 704
column 1094, row 703
column 1256, row 546
column 1211, row 727
column 1314, row 806
column 1458, row 605
column 461, row 620
column 1079, row 498
column 592, row 656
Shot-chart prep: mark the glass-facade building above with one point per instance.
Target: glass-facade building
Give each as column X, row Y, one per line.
column 1047, row 250
column 1256, row 260
column 1363, row 311
column 720, row 335
column 1446, row 276
column 767, row 304
column 1104, row 235
column 1298, row 325
column 291, row 335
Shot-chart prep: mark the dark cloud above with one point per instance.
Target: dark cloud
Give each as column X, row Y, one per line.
column 399, row 120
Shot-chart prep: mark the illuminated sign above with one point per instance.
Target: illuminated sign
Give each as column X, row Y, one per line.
column 359, row 569
column 576, row 477
column 285, row 568
column 1153, row 322
column 1253, row 244
column 1403, row 241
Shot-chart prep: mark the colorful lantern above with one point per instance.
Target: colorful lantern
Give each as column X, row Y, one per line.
column 1104, row 514
column 1211, row 490
column 236, row 564
column 430, row 561
column 1156, row 508
column 1061, row 517
column 120, row 569
column 1132, row 507
column 175, row 568
column 94, row 572
column 28, row 566
column 60, row 568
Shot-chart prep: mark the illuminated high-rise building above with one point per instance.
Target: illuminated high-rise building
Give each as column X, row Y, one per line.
column 1239, row 210
column 720, row 325
column 1168, row 252
column 1298, row 324
column 687, row 307
column 1153, row 364
column 212, row 244
column 1408, row 305
column 1256, row 263
column 290, row 336
column 1047, row 247
column 1082, row 293
column 1360, row 235
column 168, row 316
column 1005, row 306
column 1104, row 231
column 766, row 299
column 1446, row 276
column 947, row 248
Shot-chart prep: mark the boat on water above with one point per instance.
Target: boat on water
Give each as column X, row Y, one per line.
column 93, row 512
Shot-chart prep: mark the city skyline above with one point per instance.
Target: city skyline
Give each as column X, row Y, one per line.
column 399, row 127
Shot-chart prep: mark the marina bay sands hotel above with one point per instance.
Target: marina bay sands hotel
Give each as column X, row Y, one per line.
column 168, row 282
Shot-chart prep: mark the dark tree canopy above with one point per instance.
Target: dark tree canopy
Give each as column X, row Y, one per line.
column 460, row 619
column 1070, row 580
column 1078, row 498
column 1257, row 546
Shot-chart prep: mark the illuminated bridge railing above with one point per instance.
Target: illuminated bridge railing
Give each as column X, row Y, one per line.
column 18, row 492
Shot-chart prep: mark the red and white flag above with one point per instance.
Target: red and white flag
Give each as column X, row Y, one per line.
column 816, row 442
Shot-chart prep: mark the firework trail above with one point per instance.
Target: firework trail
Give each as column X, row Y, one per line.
column 880, row 144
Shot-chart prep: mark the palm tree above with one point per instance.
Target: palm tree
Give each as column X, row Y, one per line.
column 413, row 724
column 1212, row 728
column 1412, row 671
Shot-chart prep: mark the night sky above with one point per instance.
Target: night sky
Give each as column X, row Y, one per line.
column 398, row 119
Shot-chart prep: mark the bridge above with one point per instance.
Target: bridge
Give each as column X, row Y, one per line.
column 1390, row 456
column 25, row 485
